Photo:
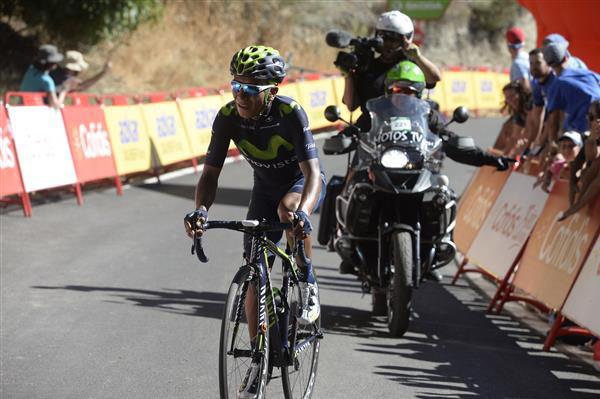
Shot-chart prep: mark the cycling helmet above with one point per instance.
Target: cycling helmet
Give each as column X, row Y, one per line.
column 260, row 62
column 395, row 21
column 406, row 74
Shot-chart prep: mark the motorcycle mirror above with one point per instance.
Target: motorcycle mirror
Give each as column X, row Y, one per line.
column 332, row 113
column 460, row 115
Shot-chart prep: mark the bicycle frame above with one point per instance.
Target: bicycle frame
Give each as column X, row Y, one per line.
column 270, row 316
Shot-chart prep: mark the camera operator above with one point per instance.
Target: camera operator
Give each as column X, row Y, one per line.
column 367, row 81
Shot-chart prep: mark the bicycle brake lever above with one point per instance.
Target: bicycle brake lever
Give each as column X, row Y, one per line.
column 197, row 247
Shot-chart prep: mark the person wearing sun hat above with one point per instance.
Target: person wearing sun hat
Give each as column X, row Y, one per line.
column 519, row 67
column 70, row 68
column 38, row 79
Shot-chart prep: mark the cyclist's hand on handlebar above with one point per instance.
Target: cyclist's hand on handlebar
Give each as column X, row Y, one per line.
column 303, row 228
column 194, row 221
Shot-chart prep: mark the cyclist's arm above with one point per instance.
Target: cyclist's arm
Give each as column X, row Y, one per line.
column 312, row 177
column 206, row 189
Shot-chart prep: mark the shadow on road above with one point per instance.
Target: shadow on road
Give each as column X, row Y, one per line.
column 184, row 302
column 225, row 195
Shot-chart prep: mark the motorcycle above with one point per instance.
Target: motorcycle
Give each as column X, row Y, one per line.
column 393, row 223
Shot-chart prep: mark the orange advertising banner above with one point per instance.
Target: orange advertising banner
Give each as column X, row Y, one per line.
column 475, row 204
column 556, row 250
column 90, row 142
column 10, row 176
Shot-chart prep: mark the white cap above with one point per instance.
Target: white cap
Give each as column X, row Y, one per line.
column 395, row 21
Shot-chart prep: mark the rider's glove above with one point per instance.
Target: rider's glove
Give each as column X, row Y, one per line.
column 303, row 217
column 350, row 131
column 503, row 163
column 199, row 215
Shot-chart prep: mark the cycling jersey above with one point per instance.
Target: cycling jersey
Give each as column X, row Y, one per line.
column 273, row 144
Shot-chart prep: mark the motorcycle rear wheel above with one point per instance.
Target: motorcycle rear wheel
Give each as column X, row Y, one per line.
column 400, row 290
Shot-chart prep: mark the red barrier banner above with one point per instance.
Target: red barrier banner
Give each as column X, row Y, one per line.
column 582, row 303
column 475, row 204
column 508, row 225
column 10, row 176
column 556, row 250
column 90, row 143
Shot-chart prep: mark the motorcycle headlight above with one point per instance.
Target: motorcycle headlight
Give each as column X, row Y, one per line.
column 394, row 158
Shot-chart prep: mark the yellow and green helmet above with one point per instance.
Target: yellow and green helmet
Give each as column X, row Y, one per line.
column 406, row 74
column 259, row 62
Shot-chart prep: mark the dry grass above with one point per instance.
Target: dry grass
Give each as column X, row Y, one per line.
column 194, row 41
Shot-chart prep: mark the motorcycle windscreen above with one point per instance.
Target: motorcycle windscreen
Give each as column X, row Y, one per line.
column 401, row 120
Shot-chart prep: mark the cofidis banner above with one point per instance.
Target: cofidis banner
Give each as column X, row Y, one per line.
column 90, row 143
column 475, row 204
column 508, row 224
column 130, row 142
column 556, row 250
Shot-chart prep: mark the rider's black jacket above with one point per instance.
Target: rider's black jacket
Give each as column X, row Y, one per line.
column 470, row 155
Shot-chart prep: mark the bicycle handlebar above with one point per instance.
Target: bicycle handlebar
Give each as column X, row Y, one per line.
column 245, row 226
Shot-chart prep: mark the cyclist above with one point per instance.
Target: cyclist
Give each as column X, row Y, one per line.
column 272, row 134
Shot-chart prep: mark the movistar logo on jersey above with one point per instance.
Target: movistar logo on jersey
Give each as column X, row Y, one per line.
column 267, row 154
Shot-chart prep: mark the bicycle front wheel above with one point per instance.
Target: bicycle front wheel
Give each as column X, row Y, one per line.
column 299, row 378
column 235, row 348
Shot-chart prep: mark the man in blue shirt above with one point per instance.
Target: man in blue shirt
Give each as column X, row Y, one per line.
column 571, row 91
column 38, row 79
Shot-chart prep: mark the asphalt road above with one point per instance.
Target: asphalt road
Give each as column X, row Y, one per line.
column 105, row 301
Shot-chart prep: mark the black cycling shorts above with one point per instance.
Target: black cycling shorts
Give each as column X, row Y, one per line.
column 265, row 201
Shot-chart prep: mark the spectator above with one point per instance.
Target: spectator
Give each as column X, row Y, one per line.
column 572, row 92
column 70, row 68
column 572, row 62
column 518, row 103
column 589, row 183
column 542, row 78
column 519, row 68
column 569, row 145
column 37, row 78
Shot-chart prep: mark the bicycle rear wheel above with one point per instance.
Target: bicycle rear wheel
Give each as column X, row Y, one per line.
column 235, row 348
column 299, row 378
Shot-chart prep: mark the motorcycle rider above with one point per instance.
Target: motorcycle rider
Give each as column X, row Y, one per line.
column 272, row 133
column 407, row 78
column 397, row 31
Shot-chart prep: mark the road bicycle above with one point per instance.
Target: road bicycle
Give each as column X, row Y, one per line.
column 281, row 340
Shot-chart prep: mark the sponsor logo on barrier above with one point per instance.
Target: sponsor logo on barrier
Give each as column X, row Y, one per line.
column 564, row 244
column 94, row 141
column 486, row 86
column 165, row 126
column 205, row 118
column 7, row 158
column 514, row 222
column 318, row 98
column 481, row 205
column 458, row 86
column 129, row 131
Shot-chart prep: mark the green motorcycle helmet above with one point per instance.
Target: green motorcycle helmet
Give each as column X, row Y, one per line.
column 259, row 62
column 405, row 76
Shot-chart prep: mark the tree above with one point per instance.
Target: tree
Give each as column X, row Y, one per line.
column 81, row 22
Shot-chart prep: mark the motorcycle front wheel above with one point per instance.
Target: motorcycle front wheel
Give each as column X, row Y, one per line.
column 400, row 290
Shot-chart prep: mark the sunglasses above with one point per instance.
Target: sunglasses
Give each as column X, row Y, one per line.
column 402, row 90
column 251, row 90
column 391, row 36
